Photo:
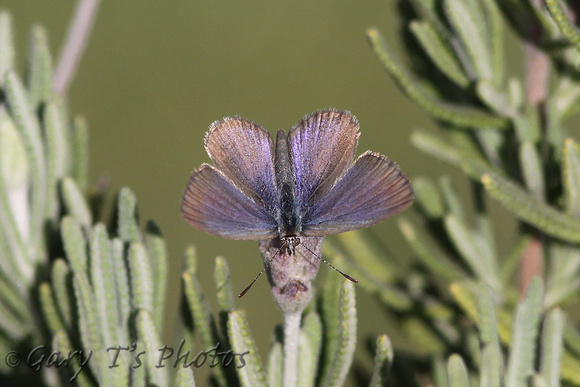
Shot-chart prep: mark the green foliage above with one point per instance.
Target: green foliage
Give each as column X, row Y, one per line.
column 521, row 360
column 233, row 334
column 64, row 280
column 506, row 134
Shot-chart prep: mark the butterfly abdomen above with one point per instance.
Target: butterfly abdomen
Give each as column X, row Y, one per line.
column 286, row 185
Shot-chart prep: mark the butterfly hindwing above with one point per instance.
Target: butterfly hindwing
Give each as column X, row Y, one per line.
column 372, row 190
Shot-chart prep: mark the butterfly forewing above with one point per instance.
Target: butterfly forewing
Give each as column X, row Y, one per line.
column 243, row 151
column 212, row 203
column 322, row 148
column 372, row 190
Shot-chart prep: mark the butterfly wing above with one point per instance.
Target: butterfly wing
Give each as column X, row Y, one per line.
column 212, row 203
column 243, row 152
column 322, row 147
column 372, row 190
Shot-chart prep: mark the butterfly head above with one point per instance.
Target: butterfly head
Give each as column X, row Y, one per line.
column 289, row 243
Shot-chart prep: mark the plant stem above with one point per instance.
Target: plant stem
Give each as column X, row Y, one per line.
column 76, row 41
column 537, row 66
column 536, row 84
column 536, row 63
column 291, row 336
column 532, row 264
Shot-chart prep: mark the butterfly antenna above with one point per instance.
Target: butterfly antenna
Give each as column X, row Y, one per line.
column 250, row 285
column 247, row 289
column 348, row 277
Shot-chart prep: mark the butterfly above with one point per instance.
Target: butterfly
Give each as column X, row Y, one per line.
column 303, row 183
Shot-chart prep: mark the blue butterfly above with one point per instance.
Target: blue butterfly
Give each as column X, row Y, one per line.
column 303, row 184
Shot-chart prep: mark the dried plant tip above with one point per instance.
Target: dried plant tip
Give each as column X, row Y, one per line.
column 291, row 273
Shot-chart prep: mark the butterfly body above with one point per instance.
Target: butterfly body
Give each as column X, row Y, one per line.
column 303, row 184
column 289, row 220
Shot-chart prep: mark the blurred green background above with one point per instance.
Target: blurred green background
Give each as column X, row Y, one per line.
column 156, row 74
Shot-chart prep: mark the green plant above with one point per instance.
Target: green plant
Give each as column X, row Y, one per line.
column 506, row 133
column 64, row 281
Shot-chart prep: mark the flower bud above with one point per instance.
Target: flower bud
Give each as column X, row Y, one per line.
column 292, row 265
